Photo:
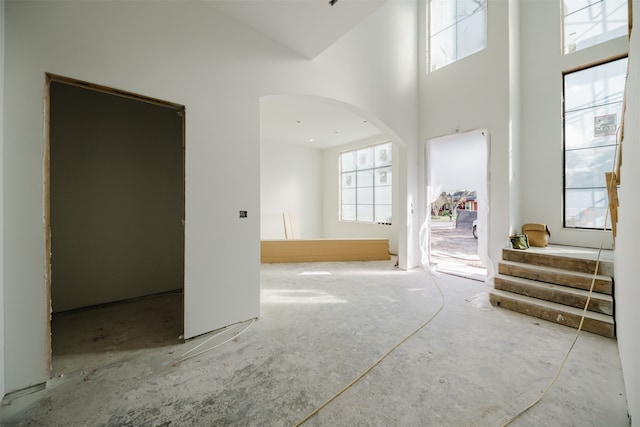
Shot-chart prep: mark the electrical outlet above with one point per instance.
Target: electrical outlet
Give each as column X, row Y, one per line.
column 243, row 214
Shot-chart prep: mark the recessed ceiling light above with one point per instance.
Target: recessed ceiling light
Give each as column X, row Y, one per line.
column 310, row 139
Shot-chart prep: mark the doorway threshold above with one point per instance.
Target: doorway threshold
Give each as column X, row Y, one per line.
column 461, row 270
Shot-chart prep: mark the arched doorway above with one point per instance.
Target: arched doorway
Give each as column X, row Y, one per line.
column 301, row 139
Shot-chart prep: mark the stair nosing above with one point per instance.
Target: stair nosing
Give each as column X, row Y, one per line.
column 562, row 288
column 556, row 256
column 557, row 270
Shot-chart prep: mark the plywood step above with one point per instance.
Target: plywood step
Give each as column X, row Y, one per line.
column 573, row 297
column 597, row 323
column 535, row 256
column 579, row 280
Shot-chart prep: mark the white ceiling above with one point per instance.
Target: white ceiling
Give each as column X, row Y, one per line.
column 311, row 123
column 306, row 26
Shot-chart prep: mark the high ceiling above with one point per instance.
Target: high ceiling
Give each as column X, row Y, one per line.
column 308, row 27
column 311, row 123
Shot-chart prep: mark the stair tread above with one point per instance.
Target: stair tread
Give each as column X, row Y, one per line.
column 553, row 253
column 556, row 287
column 556, row 270
column 567, row 258
column 554, row 306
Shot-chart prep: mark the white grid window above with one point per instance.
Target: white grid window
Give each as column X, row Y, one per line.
column 592, row 114
column 365, row 184
column 591, row 22
column 457, row 29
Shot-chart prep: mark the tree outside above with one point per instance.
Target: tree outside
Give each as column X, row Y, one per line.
column 447, row 203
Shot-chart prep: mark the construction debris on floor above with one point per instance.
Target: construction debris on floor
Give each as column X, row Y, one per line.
column 321, row 326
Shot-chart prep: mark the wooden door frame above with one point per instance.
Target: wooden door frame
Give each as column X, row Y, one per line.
column 49, row 78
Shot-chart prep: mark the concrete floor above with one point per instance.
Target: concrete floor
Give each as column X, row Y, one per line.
column 321, row 325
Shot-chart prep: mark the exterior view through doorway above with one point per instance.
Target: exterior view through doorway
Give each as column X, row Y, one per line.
column 455, row 238
column 114, row 200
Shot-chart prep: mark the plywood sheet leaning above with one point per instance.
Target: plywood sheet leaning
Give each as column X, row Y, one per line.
column 612, row 191
column 291, row 225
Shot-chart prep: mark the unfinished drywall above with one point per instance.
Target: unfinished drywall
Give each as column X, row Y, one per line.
column 190, row 54
column 333, row 227
column 117, row 197
column 291, row 182
column 627, row 291
column 472, row 94
column 542, row 66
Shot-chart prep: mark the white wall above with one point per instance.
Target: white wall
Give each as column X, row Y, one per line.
column 457, row 162
column 333, row 227
column 187, row 53
column 627, row 291
column 2, row 387
column 542, row 165
column 290, row 181
column 515, row 107
column 471, row 94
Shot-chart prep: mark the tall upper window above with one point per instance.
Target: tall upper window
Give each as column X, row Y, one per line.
column 590, row 22
column 365, row 189
column 457, row 28
column 592, row 116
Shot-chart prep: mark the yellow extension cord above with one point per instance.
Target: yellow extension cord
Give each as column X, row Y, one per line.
column 519, row 414
column 584, row 311
column 376, row 363
column 573, row 343
column 187, row 355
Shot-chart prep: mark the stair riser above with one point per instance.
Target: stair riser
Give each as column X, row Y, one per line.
column 565, row 279
column 605, row 268
column 596, row 304
column 563, row 318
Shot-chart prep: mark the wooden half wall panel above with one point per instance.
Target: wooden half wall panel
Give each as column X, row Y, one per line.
column 318, row 250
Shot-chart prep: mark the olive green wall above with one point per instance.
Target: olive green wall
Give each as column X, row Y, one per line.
column 116, row 198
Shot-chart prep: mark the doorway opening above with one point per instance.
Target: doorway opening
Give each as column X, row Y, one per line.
column 457, row 204
column 302, row 139
column 114, row 217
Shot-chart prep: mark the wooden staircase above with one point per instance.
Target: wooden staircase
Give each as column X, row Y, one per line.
column 555, row 287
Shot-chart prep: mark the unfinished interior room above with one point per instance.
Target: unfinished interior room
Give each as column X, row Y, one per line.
column 221, row 212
